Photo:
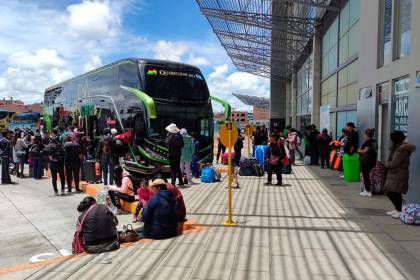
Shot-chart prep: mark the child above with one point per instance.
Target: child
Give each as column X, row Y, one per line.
column 144, row 195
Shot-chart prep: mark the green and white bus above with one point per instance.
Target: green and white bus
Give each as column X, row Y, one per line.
column 142, row 96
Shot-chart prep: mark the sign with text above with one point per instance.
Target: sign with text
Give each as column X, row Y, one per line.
column 401, row 114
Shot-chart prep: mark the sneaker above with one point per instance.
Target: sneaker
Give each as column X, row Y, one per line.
column 56, row 193
column 342, row 176
column 63, row 193
column 396, row 215
column 279, row 184
column 267, row 183
column 363, row 193
column 368, row 194
column 390, row 213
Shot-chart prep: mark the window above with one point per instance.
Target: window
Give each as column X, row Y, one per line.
column 329, row 91
column 329, row 49
column 347, row 85
column 383, row 93
column 403, row 29
column 385, row 25
column 343, row 118
column 349, row 29
column 304, row 88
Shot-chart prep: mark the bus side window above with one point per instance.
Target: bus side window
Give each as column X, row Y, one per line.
column 128, row 75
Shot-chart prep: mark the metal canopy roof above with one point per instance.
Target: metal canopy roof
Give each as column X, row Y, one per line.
column 259, row 102
column 264, row 37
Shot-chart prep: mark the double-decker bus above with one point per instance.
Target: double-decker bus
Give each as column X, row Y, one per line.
column 141, row 96
column 4, row 119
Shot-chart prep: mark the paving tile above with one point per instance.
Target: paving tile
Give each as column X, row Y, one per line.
column 412, row 247
column 252, row 258
column 170, row 272
column 50, row 275
column 249, row 275
column 221, row 242
column 141, row 263
column 401, row 232
column 213, row 266
column 184, row 255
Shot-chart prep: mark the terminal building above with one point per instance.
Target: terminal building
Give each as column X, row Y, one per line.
column 331, row 62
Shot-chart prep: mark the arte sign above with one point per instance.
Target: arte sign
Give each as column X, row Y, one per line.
column 401, row 114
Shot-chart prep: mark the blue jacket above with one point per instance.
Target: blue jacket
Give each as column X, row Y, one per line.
column 160, row 216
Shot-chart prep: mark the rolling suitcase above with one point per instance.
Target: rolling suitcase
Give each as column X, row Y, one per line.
column 89, row 172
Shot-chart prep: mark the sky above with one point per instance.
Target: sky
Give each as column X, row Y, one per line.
column 45, row 42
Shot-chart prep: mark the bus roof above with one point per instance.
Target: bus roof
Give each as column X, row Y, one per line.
column 123, row 61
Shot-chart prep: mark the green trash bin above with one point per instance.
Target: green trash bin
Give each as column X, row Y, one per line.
column 351, row 166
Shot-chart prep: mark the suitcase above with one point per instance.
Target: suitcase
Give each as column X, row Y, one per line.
column 261, row 155
column 89, row 171
column 225, row 158
column 247, row 162
column 247, row 171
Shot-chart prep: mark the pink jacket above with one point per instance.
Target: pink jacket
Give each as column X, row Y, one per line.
column 174, row 190
column 291, row 140
column 126, row 185
column 144, row 195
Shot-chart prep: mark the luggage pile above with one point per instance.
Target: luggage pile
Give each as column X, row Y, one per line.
column 250, row 167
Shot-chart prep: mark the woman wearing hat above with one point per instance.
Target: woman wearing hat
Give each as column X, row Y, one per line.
column 175, row 143
column 160, row 216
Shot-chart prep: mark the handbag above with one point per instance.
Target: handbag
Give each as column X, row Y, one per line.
column 128, row 235
column 274, row 160
column 77, row 245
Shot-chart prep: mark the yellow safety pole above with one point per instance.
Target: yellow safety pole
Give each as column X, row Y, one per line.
column 249, row 141
column 229, row 221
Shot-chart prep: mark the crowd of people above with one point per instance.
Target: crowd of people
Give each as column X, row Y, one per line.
column 161, row 206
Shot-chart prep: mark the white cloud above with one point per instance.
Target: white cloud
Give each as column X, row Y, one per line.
column 93, row 20
column 191, row 52
column 197, row 60
column 28, row 81
column 95, row 62
column 222, row 83
column 168, row 50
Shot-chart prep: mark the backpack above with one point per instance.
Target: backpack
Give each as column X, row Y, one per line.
column 208, row 175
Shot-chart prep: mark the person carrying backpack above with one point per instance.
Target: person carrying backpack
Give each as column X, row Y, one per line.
column 187, row 155
column 275, row 156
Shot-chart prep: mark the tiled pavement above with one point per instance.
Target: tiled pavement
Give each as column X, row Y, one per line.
column 314, row 227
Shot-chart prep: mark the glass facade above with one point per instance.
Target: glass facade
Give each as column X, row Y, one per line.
column 304, row 88
column 329, row 91
column 347, row 85
column 403, row 28
column 343, row 118
column 349, row 31
column 330, row 49
column 385, row 28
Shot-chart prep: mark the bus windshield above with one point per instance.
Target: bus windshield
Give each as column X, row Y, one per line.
column 198, row 119
column 175, row 83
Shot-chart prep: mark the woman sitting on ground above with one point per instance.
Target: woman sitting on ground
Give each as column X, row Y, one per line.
column 180, row 209
column 99, row 231
column 123, row 188
column 160, row 217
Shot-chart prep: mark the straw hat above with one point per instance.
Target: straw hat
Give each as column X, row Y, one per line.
column 172, row 128
column 157, row 182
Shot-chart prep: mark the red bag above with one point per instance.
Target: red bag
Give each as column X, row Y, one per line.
column 225, row 158
column 332, row 156
column 77, row 245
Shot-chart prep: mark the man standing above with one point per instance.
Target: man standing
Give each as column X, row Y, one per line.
column 72, row 163
column 6, row 155
column 174, row 143
column 352, row 139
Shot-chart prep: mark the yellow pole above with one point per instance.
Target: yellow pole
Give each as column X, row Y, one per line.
column 229, row 221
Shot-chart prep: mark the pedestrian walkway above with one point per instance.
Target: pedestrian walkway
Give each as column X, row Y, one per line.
column 313, row 227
